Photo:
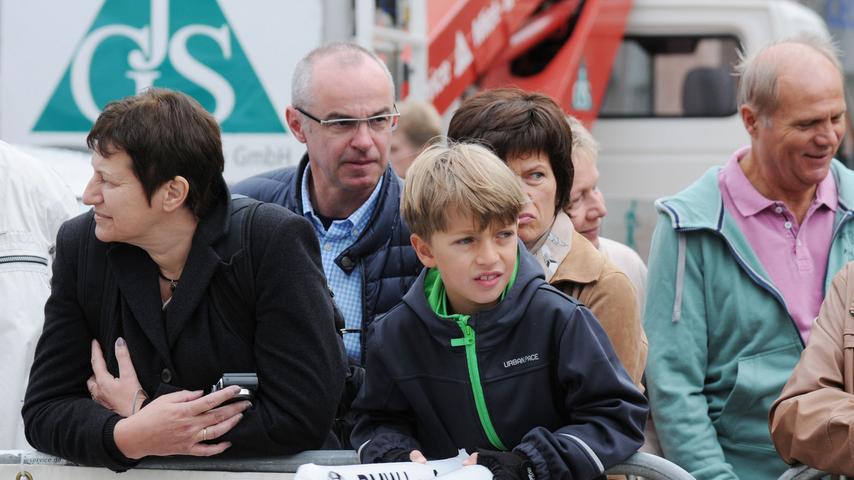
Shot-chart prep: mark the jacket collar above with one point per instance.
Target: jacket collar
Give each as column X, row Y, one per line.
column 491, row 325
column 583, row 264
column 384, row 219
column 700, row 206
column 136, row 272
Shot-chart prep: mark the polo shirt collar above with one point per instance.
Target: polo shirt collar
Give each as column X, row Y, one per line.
column 748, row 201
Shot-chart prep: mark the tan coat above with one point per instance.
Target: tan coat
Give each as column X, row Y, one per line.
column 813, row 420
column 587, row 275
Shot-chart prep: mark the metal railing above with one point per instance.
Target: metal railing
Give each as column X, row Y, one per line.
column 803, row 472
column 640, row 464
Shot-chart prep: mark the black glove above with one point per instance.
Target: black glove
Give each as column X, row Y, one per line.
column 396, row 455
column 507, row 465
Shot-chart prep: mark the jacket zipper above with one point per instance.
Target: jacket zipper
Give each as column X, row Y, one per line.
column 23, row 259
column 468, row 340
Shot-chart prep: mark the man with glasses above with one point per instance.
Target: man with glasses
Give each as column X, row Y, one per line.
column 343, row 111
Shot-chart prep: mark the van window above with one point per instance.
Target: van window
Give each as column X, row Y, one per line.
column 673, row 76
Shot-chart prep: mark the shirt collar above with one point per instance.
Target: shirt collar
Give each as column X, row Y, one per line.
column 359, row 219
column 748, row 201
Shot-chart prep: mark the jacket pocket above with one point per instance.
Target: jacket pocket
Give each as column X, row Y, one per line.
column 760, row 378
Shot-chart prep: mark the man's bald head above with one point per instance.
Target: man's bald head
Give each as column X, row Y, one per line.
column 760, row 72
column 341, row 53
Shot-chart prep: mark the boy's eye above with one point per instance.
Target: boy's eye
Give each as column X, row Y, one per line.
column 465, row 241
column 505, row 234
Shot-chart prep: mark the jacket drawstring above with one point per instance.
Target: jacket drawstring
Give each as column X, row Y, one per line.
column 680, row 279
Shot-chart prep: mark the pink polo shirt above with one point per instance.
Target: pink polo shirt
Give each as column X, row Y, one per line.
column 795, row 256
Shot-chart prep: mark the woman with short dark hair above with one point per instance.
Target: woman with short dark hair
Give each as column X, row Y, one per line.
column 166, row 285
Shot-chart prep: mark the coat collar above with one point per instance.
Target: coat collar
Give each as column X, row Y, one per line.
column 136, row 274
column 583, row 264
column 384, row 219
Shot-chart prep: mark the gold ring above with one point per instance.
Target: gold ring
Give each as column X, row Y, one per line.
column 205, row 434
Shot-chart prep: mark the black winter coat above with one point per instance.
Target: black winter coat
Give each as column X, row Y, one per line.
column 291, row 342
column 552, row 384
column 390, row 263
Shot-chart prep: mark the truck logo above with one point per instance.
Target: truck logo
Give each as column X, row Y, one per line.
column 187, row 46
column 582, row 98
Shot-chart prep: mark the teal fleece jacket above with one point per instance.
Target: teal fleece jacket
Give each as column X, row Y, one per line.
column 721, row 341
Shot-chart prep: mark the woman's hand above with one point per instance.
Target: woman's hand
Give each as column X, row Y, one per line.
column 180, row 423
column 122, row 394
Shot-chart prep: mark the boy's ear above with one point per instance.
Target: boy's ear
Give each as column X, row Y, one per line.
column 423, row 250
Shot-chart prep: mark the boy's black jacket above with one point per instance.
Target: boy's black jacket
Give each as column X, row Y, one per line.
column 553, row 385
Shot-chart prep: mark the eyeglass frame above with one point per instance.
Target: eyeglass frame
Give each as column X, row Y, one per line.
column 334, row 121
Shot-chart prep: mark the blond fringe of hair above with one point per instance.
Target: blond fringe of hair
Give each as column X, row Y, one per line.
column 463, row 178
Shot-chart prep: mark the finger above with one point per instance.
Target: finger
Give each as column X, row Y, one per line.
column 472, row 460
column 126, row 370
column 224, row 412
column 206, row 449
column 213, row 400
column 99, row 367
column 221, row 428
column 182, row 396
column 417, row 457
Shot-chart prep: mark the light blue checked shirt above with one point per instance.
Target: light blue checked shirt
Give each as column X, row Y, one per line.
column 342, row 234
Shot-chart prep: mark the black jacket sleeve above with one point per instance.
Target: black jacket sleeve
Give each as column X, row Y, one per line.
column 384, row 418
column 606, row 412
column 60, row 416
column 301, row 369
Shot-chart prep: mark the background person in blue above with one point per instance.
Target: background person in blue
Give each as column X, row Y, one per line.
column 482, row 353
column 739, row 264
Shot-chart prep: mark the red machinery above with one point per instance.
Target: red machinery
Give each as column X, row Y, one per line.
column 562, row 48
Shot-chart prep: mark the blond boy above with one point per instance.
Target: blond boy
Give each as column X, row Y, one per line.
column 482, row 353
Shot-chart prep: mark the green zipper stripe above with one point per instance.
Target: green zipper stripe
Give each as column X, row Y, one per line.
column 468, row 341
column 434, row 290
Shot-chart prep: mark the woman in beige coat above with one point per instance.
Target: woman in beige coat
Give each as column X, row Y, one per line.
column 813, row 420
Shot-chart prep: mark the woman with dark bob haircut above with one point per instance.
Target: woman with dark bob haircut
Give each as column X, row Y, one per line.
column 164, row 286
column 530, row 133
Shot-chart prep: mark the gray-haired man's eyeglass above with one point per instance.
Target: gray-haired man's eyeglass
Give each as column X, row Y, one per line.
column 378, row 123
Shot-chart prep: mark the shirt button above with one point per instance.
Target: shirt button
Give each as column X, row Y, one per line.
column 166, row 375
column 328, row 247
column 346, row 262
column 788, row 225
column 778, row 209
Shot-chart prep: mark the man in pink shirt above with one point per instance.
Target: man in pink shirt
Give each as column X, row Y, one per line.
column 740, row 261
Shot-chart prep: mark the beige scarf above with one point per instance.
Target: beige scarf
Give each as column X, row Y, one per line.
column 554, row 245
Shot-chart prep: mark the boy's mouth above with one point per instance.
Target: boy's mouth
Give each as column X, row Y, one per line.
column 488, row 279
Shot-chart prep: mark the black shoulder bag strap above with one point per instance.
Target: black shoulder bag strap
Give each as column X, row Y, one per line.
column 91, row 270
column 236, row 299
